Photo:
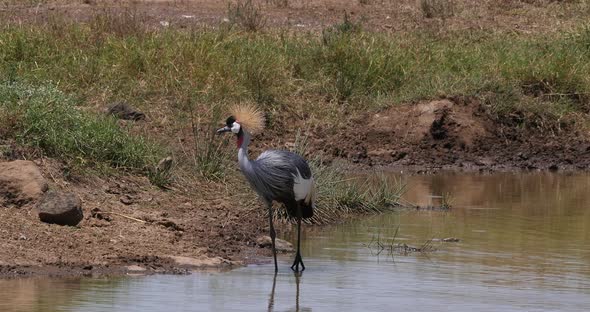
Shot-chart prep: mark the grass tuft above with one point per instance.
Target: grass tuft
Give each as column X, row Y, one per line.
column 209, row 153
column 247, row 15
column 340, row 195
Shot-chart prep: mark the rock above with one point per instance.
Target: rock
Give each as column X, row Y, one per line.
column 281, row 245
column 60, row 208
column 98, row 214
column 170, row 224
column 135, row 268
column 202, row 262
column 126, row 199
column 124, row 111
column 21, row 182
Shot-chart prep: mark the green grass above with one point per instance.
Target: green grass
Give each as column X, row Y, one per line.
column 45, row 118
column 343, row 68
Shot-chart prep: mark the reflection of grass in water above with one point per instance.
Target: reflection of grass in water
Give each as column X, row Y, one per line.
column 377, row 246
column 446, row 201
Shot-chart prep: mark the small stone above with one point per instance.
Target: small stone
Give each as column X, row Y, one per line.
column 281, row 245
column 451, row 240
column 135, row 268
column 126, row 199
column 171, row 225
column 60, row 208
column 124, row 111
column 21, row 182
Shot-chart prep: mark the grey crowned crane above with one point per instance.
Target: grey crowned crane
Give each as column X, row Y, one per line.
column 276, row 175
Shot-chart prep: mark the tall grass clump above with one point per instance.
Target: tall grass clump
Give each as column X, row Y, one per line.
column 340, row 194
column 209, row 153
column 246, row 14
column 43, row 117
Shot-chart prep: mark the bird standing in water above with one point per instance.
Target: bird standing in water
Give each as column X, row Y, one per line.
column 276, row 175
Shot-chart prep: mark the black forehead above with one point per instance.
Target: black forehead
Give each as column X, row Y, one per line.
column 230, row 121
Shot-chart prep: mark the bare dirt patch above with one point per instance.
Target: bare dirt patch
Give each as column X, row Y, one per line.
column 315, row 15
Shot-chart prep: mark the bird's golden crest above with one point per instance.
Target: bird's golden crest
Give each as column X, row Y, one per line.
column 249, row 116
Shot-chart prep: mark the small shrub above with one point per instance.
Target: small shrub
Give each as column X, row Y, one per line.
column 161, row 175
column 437, row 8
column 246, row 14
column 208, row 154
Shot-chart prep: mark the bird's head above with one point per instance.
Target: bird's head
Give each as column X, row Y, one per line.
column 244, row 119
column 231, row 124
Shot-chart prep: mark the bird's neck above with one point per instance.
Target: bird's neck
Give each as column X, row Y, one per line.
column 243, row 142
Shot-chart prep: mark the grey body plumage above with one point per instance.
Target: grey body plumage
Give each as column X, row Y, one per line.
column 272, row 175
column 277, row 175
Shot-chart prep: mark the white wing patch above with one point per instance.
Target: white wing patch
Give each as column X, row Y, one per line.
column 302, row 187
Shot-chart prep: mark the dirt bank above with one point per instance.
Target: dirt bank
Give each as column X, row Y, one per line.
column 140, row 229
column 454, row 133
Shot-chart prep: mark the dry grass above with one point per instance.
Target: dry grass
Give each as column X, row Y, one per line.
column 246, row 14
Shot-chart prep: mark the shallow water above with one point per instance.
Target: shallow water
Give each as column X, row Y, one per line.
column 525, row 246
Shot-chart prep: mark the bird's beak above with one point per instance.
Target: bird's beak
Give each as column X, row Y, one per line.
column 224, row 129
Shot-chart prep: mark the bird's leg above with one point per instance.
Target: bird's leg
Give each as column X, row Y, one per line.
column 273, row 235
column 298, row 260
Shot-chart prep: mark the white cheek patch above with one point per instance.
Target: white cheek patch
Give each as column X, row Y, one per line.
column 235, row 128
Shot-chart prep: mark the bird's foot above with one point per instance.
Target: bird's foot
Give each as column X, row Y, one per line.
column 297, row 262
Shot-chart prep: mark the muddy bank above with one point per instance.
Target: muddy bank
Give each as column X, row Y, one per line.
column 455, row 133
column 129, row 227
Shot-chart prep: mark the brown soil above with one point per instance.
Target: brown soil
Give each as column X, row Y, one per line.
column 526, row 17
column 131, row 227
column 453, row 133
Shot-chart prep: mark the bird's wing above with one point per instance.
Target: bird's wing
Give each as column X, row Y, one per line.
column 289, row 170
